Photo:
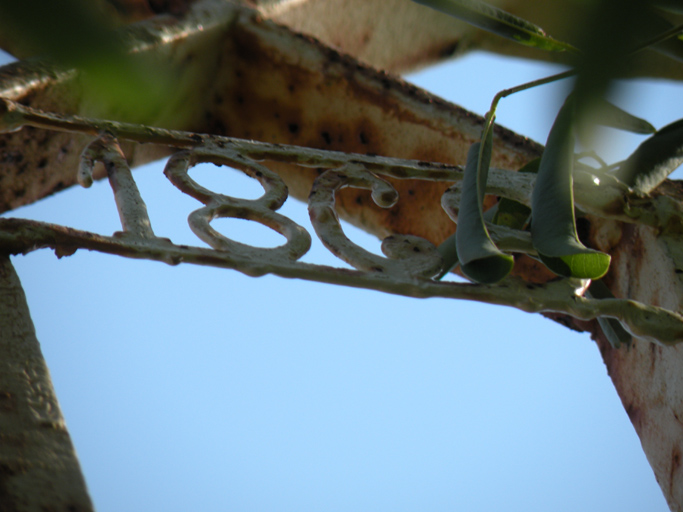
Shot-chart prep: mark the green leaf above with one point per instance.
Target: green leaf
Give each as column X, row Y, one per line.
column 611, row 327
column 511, row 213
column 607, row 114
column 492, row 19
column 653, row 161
column 480, row 259
column 609, row 31
column 449, row 253
column 553, row 225
column 578, row 261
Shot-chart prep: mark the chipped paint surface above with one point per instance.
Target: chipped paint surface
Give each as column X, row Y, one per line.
column 39, row 469
column 36, row 163
column 647, row 265
column 285, row 88
column 270, row 84
column 648, row 378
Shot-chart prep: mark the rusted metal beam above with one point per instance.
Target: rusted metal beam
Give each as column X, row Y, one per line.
column 401, row 36
column 37, row 163
column 240, row 74
column 263, row 81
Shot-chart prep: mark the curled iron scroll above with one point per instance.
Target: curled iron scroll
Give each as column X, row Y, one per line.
column 261, row 210
column 450, row 201
column 407, row 254
column 411, row 264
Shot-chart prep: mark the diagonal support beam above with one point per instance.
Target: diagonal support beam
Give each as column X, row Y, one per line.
column 262, row 81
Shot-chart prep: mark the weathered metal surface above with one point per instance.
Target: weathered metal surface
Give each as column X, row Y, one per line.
column 412, row 265
column 263, row 81
column 647, row 264
column 35, row 164
column 400, row 35
column 39, row 469
column 395, row 35
column 277, row 86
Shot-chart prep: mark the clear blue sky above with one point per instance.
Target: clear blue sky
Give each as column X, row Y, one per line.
column 189, row 388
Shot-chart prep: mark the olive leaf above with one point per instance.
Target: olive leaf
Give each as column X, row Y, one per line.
column 607, row 114
column 598, row 111
column 492, row 19
column 553, row 222
column 652, row 162
column 479, row 257
column 511, row 213
column 611, row 327
column 449, row 254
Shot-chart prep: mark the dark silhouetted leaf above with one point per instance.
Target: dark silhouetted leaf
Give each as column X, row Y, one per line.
column 78, row 34
column 480, row 259
column 607, row 114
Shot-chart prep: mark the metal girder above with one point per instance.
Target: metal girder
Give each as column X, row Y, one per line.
column 394, row 35
column 238, row 73
column 400, row 35
column 35, row 164
column 244, row 76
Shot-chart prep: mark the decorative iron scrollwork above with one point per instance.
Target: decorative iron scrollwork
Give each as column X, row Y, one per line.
column 261, row 210
column 407, row 255
column 411, row 263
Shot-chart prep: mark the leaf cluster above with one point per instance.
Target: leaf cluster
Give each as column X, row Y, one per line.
column 613, row 34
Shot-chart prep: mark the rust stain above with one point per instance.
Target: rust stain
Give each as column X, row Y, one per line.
column 635, row 415
column 314, row 96
column 7, row 402
column 675, row 465
column 625, row 257
column 532, row 270
column 277, row 86
column 655, row 352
